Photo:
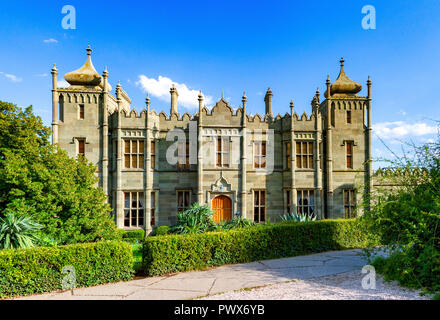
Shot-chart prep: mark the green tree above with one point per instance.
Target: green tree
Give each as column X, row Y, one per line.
column 39, row 179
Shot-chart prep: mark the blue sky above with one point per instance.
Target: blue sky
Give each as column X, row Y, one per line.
column 234, row 46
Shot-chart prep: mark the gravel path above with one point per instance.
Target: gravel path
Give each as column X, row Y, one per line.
column 344, row 286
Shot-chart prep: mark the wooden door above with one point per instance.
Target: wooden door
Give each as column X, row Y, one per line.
column 222, row 209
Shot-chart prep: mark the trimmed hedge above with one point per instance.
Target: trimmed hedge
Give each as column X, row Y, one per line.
column 133, row 236
column 162, row 230
column 39, row 270
column 175, row 253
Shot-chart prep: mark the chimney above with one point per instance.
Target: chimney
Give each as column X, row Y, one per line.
column 174, row 95
column 268, row 101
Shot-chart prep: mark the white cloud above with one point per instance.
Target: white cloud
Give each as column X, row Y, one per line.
column 51, row 40
column 42, row 75
column 400, row 129
column 11, row 77
column 160, row 89
column 62, row 84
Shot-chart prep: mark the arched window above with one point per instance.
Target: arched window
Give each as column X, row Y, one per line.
column 61, row 108
column 332, row 117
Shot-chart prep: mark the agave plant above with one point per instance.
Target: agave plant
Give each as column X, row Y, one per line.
column 239, row 222
column 298, row 217
column 197, row 219
column 18, row 231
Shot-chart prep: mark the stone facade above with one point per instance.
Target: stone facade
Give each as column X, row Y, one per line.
column 267, row 165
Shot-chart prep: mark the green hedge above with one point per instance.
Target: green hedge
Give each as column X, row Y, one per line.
column 162, row 230
column 39, row 270
column 133, row 236
column 174, row 253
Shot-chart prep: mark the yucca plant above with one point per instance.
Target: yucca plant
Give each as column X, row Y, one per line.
column 18, row 231
column 298, row 217
column 197, row 219
column 238, row 222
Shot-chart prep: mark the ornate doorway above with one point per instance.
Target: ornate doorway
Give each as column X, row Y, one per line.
column 222, row 209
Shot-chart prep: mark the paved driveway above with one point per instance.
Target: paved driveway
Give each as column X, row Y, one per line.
column 190, row 285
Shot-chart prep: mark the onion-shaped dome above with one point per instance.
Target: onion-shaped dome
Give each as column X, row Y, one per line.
column 344, row 85
column 86, row 75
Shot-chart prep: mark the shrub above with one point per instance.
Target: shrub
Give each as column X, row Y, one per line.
column 18, row 232
column 162, row 230
column 39, row 270
column 407, row 218
column 197, row 219
column 133, row 236
column 237, row 223
column 301, row 217
column 177, row 253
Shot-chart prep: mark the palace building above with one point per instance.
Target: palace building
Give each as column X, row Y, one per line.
column 258, row 167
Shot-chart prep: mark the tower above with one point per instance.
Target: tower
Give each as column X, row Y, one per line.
column 347, row 143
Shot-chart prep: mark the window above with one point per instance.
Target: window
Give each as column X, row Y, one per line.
column 61, row 108
column 349, row 148
column 306, row 201
column 82, row 147
column 321, row 156
column 304, row 155
column 81, row 112
column 153, row 154
column 183, row 200
column 333, row 115
column 349, row 203
column 153, row 208
column 223, row 150
column 348, row 116
column 260, row 154
column 183, row 155
column 288, row 156
column 134, row 154
column 259, row 206
column 288, row 201
column 133, row 209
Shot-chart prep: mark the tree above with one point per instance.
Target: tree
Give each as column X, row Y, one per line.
column 41, row 180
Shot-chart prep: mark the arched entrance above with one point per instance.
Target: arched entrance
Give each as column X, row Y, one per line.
column 222, row 209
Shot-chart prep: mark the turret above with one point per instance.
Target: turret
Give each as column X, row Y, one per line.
column 268, row 101
column 174, row 95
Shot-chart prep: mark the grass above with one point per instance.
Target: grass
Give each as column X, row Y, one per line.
column 137, row 255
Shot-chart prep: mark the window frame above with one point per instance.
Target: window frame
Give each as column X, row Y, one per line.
column 289, row 207
column 186, row 165
column 139, row 209
column 260, row 207
column 220, row 152
column 350, row 205
column 261, row 156
column 309, row 156
column 349, row 146
column 288, row 155
column 153, row 207
column 81, row 145
column 81, row 111
column 310, row 206
column 349, row 117
column 138, row 155
column 153, row 154
column 183, row 207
